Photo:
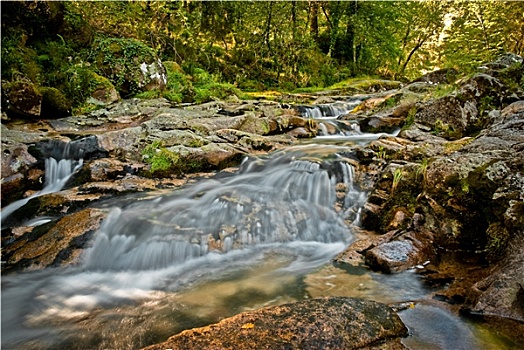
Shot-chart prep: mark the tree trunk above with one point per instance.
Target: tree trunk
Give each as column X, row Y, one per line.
column 313, row 19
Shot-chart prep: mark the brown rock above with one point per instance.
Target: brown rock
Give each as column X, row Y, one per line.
column 39, row 248
column 324, row 323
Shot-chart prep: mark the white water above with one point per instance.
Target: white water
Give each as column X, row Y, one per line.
column 152, row 271
column 332, row 128
column 57, row 173
column 279, row 200
column 272, row 222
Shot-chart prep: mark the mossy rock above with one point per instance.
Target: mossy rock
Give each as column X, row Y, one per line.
column 22, row 98
column 122, row 61
column 54, row 103
column 85, row 86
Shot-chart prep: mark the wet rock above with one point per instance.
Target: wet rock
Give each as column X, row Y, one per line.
column 501, row 295
column 392, row 256
column 324, row 323
column 54, row 244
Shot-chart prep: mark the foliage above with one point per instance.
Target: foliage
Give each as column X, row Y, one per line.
column 397, row 176
column 482, row 30
column 119, row 60
column 160, row 158
column 250, row 45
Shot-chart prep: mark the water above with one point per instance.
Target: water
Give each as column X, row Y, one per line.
column 262, row 236
column 58, row 172
column 63, row 160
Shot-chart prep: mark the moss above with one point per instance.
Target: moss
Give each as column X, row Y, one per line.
column 410, row 118
column 497, row 240
column 82, row 83
column 162, row 160
column 54, row 103
column 119, row 60
column 255, row 125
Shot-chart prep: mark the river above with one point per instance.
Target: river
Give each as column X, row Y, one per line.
column 264, row 235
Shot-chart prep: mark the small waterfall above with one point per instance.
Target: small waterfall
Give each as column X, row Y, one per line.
column 281, row 199
column 328, row 111
column 57, row 173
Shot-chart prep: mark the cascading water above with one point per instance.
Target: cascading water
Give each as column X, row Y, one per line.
column 283, row 200
column 330, row 125
column 225, row 245
column 275, row 215
column 57, row 173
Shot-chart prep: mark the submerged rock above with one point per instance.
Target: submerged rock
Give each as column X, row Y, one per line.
column 324, row 323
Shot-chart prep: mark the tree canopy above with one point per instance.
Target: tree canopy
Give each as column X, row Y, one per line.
column 260, row 44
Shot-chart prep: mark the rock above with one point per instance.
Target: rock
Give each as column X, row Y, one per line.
column 381, row 123
column 324, row 323
column 54, row 103
column 111, row 169
column 501, row 295
column 129, row 64
column 104, row 92
column 126, row 142
column 440, row 76
column 392, row 256
column 53, row 244
column 23, row 99
column 448, row 116
column 213, row 156
column 154, row 76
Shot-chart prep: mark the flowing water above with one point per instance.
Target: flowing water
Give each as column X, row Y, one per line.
column 262, row 236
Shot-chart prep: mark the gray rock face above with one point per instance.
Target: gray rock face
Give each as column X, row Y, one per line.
column 325, row 323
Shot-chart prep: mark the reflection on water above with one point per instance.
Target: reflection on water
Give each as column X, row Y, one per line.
column 79, row 309
column 434, row 328
column 360, row 282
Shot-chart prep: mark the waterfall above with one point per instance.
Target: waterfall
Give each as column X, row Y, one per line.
column 281, row 199
column 57, row 173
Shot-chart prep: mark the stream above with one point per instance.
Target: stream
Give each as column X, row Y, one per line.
column 264, row 235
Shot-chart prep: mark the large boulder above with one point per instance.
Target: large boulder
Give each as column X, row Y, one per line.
column 131, row 65
column 22, row 99
column 324, row 323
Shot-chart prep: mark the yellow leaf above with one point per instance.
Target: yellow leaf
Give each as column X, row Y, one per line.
column 248, row 326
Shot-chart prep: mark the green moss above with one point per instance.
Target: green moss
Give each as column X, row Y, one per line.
column 497, row 240
column 410, row 118
column 54, row 103
column 119, row 60
column 162, row 160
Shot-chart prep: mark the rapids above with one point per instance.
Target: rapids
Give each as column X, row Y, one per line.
column 261, row 236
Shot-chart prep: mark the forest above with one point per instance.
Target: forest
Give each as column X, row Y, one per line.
column 211, row 49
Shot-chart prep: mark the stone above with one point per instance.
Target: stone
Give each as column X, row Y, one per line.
column 54, row 244
column 323, row 323
column 54, row 103
column 440, row 76
column 23, row 99
column 393, row 256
